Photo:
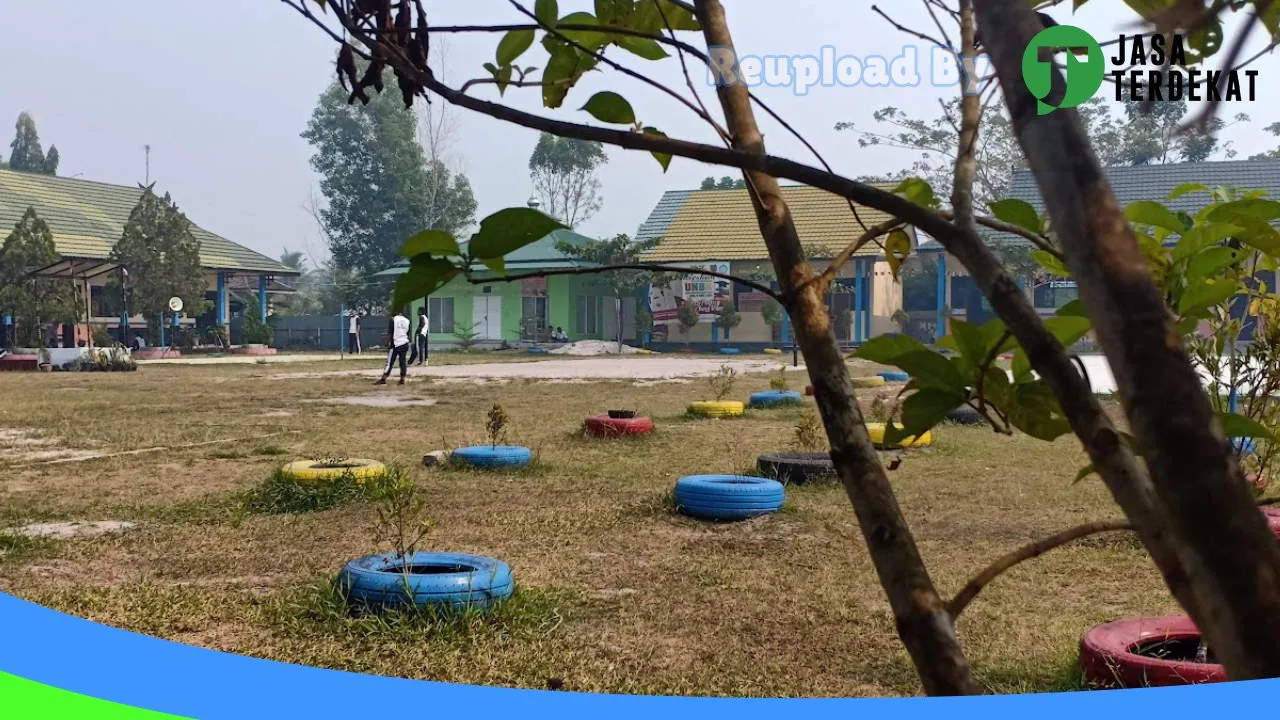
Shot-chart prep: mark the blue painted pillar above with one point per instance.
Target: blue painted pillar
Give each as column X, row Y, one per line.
column 868, row 271
column 164, row 334
column 857, row 302
column 222, row 298
column 262, row 297
column 715, row 333
column 942, row 297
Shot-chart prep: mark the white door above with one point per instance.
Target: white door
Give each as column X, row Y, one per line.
column 487, row 316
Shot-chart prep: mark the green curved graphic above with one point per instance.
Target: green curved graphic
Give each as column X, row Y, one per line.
column 22, row 699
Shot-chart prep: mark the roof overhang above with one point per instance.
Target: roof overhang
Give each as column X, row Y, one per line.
column 76, row 269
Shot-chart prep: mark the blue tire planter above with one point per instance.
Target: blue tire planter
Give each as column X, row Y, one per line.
column 894, row 376
column 1244, row 445
column 776, row 398
column 453, row 580
column 730, row 351
column 537, row 351
column 494, row 456
column 728, row 497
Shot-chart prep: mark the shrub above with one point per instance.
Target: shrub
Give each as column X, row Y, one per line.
column 282, row 495
column 722, row 382
column 778, row 381
column 809, row 433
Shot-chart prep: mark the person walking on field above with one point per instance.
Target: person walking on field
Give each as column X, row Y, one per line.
column 353, row 334
column 399, row 347
column 420, row 338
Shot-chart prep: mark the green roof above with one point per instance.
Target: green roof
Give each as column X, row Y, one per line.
column 541, row 254
column 87, row 218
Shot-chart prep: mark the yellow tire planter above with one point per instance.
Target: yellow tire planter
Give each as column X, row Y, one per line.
column 315, row 471
column 772, row 351
column 717, row 408
column 868, row 382
column 876, row 431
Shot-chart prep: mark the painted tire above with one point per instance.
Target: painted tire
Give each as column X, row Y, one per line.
column 868, row 382
column 965, row 415
column 894, row 376
column 489, row 456
column 728, row 497
column 771, row 351
column 776, row 398
column 876, row 430
column 456, row 580
column 310, row 470
column 605, row 426
column 1108, row 660
column 1273, row 519
column 537, row 351
column 1244, row 445
column 796, row 468
column 730, row 351
column 717, row 408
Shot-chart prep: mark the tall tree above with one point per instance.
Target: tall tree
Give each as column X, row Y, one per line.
column 307, row 298
column 162, row 259
column 724, row 183
column 618, row 250
column 33, row 301
column 27, row 155
column 563, row 171
column 378, row 186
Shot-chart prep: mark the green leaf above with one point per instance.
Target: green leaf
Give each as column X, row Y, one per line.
column 425, row 276
column 1016, row 212
column 1211, row 262
column 1187, row 189
column 513, row 45
column 1074, row 308
column 967, row 339
column 650, row 16
column 925, row 409
column 610, row 107
column 1035, row 411
column 546, row 11
column 1050, row 263
column 886, row 349
column 1068, row 329
column 430, row 242
column 1021, row 366
column 1085, row 472
column 664, row 159
column 897, row 248
column 1150, row 212
column 564, row 68
column 509, row 230
column 1236, row 425
column 642, row 47
column 917, row 191
column 930, row 369
column 591, row 40
column 1200, row 237
column 496, row 265
column 504, row 79
column 1207, row 293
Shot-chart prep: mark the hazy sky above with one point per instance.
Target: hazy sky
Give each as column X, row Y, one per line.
column 221, row 90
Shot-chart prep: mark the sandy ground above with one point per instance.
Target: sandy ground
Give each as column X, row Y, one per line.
column 666, row 367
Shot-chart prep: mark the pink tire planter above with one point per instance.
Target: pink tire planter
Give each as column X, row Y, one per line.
column 1145, row 652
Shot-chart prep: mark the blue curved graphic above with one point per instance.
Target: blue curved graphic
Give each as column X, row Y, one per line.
column 69, row 653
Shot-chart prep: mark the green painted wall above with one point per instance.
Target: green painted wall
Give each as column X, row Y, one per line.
column 562, row 294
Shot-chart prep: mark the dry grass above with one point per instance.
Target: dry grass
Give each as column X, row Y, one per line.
column 616, row 594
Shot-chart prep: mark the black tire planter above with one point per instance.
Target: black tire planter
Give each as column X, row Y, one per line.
column 796, row 468
column 965, row 415
column 622, row 414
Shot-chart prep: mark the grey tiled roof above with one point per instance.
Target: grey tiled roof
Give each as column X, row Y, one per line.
column 1155, row 182
column 663, row 214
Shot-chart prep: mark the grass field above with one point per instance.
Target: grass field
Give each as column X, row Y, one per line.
column 615, row 593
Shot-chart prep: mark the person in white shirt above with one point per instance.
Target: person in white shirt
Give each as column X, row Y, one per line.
column 420, row 338
column 399, row 347
column 353, row 334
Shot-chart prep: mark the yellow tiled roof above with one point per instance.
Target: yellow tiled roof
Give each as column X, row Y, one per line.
column 87, row 218
column 721, row 224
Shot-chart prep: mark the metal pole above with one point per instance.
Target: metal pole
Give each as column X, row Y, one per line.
column 942, row 297
column 342, row 313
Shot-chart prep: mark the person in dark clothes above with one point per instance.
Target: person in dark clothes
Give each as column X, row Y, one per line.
column 420, row 337
column 399, row 347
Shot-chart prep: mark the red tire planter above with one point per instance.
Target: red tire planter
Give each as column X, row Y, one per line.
column 808, row 390
column 156, row 354
column 605, row 426
column 1273, row 519
column 1108, row 660
column 254, row 351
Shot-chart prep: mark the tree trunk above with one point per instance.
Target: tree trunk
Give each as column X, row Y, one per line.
column 922, row 619
column 1231, row 560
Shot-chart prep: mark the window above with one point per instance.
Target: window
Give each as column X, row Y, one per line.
column 440, row 315
column 1055, row 293
column 588, row 315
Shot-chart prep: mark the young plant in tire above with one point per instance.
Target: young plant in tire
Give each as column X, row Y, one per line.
column 722, row 382
column 402, row 523
column 809, row 433
column 496, row 425
column 778, row 381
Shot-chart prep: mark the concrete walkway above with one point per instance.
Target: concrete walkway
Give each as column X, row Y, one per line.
column 652, row 368
column 259, row 359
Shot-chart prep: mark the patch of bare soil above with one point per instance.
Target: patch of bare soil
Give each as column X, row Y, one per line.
column 378, row 401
